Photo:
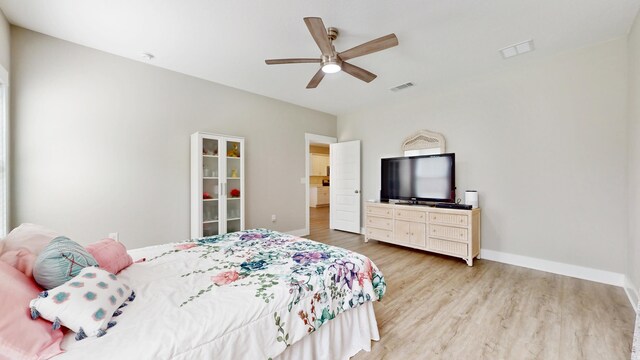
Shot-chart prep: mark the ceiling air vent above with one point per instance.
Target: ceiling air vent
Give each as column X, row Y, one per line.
column 517, row 49
column 402, row 86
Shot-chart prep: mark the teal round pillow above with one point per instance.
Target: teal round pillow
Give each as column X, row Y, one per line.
column 60, row 261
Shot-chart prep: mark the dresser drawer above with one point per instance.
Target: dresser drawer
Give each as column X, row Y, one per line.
column 448, row 247
column 451, row 219
column 448, row 232
column 379, row 222
column 379, row 211
column 379, row 234
column 411, row 215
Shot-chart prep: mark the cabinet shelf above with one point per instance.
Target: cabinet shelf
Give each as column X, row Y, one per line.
column 209, row 199
column 209, row 221
column 210, row 156
column 233, row 219
column 210, row 178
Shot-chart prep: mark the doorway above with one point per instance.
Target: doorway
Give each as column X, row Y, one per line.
column 319, row 186
column 318, row 182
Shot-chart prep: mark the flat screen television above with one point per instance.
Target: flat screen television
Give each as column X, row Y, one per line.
column 419, row 179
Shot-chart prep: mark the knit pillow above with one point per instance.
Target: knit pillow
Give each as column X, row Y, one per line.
column 60, row 261
column 85, row 304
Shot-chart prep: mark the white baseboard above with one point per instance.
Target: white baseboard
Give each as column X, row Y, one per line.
column 580, row 272
column 632, row 293
column 299, row 232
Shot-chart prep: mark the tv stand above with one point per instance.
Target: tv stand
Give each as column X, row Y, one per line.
column 451, row 232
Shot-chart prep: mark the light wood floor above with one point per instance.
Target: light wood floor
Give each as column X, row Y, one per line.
column 437, row 307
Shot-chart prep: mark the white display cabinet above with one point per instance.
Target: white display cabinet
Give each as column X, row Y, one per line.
column 217, row 184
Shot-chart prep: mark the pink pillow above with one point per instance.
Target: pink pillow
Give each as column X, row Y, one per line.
column 22, row 259
column 110, row 255
column 28, row 236
column 21, row 337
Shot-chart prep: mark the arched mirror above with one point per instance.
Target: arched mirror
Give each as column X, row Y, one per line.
column 424, row 142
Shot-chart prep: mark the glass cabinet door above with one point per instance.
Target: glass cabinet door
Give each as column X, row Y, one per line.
column 210, row 187
column 233, row 186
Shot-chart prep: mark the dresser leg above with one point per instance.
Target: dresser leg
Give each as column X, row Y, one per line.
column 366, row 239
column 470, row 262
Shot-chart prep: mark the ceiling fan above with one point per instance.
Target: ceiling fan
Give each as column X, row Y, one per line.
column 332, row 61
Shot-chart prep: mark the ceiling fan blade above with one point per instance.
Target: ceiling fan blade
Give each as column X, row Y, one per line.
column 315, row 80
column 372, row 46
column 319, row 33
column 358, row 72
column 291, row 61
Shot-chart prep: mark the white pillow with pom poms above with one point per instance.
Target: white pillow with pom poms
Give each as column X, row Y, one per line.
column 84, row 304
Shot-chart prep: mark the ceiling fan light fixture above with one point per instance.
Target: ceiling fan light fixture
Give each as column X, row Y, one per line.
column 331, row 67
column 331, row 64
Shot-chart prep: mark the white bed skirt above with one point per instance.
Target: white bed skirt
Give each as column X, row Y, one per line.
column 338, row 339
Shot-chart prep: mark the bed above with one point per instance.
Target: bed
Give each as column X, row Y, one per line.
column 254, row 294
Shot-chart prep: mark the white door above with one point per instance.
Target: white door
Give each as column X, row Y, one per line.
column 345, row 186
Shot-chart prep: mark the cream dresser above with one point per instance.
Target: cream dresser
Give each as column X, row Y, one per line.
column 445, row 231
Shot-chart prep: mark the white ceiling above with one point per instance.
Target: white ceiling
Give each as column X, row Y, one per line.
column 227, row 41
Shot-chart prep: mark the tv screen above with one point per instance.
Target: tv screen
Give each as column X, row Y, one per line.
column 427, row 178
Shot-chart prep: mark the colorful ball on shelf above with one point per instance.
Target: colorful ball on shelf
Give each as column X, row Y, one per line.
column 235, row 192
column 206, row 195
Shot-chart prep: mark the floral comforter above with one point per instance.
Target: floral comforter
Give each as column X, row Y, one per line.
column 243, row 295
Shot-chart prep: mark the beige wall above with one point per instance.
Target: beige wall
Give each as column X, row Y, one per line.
column 5, row 42
column 634, row 155
column 101, row 144
column 544, row 142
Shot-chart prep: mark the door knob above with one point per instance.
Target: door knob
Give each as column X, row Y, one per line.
column 357, row 191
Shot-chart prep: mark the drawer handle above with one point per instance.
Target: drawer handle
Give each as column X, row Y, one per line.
column 434, row 218
column 461, row 235
column 461, row 220
column 434, row 230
